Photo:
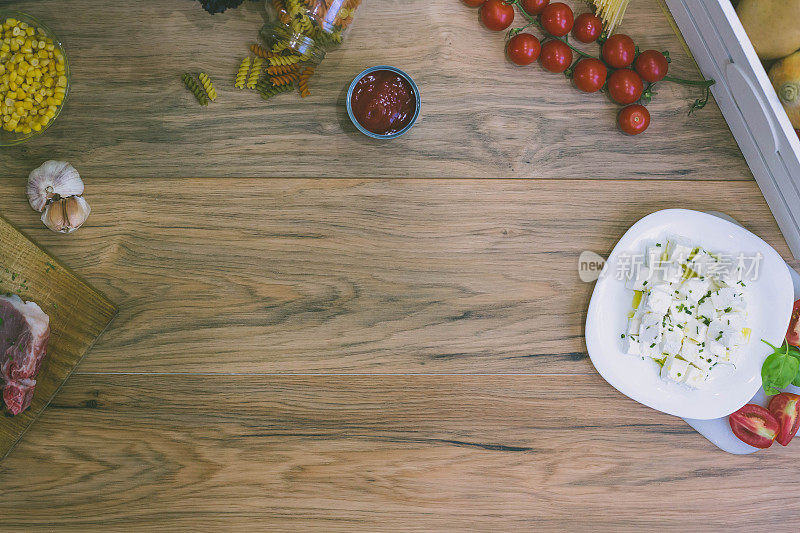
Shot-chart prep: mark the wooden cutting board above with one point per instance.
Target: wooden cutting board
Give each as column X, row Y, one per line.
column 78, row 315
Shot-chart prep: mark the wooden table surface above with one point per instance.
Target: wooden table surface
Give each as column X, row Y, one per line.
column 306, row 342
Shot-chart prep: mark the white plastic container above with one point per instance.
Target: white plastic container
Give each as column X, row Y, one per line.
column 748, row 102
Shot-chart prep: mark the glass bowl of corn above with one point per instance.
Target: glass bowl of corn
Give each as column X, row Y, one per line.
column 34, row 77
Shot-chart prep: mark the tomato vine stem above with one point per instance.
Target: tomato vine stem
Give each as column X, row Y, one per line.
column 534, row 21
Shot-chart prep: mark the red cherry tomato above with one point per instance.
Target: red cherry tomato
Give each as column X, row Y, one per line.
column 587, row 28
column 619, row 51
column 589, row 75
column 474, row 3
column 754, row 425
column 785, row 407
column 533, row 7
column 523, row 49
column 557, row 19
column 497, row 15
column 793, row 333
column 556, row 56
column 633, row 119
column 625, row 86
column 651, row 65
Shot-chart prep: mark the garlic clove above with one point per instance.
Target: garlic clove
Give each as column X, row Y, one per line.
column 67, row 214
column 52, row 180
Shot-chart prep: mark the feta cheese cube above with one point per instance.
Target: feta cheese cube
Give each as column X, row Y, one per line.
column 634, row 323
column 727, row 299
column 696, row 330
column 654, row 255
column 717, row 349
column 671, row 272
column 672, row 341
column 706, row 309
column 732, row 356
column 702, row 263
column 639, row 279
column 658, row 302
column 732, row 338
column 679, row 249
column 725, row 334
column 631, row 345
column 703, row 359
column 734, row 319
column 650, row 329
column 693, row 289
column 674, row 369
column 696, row 378
column 732, row 275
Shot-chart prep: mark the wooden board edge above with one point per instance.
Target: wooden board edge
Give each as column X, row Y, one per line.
column 109, row 312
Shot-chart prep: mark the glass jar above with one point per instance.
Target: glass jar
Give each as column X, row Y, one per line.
column 308, row 28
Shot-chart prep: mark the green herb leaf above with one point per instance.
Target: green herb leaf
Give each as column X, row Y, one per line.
column 780, row 369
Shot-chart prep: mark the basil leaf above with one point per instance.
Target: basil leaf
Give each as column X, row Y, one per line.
column 794, row 352
column 779, row 370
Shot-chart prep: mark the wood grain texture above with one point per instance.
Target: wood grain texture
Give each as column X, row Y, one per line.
column 420, row 453
column 350, row 276
column 129, row 115
column 78, row 314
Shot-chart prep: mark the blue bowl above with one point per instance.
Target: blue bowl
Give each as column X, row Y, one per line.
column 361, row 128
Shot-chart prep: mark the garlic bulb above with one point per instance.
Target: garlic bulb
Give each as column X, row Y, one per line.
column 51, row 181
column 66, row 214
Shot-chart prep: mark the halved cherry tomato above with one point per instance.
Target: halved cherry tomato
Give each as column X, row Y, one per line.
column 619, row 51
column 497, row 15
column 557, row 19
column 793, row 333
column 785, row 407
column 651, row 65
column 556, row 56
column 587, row 28
column 754, row 425
column 589, row 75
column 533, row 7
column 633, row 119
column 625, row 86
column 474, row 3
column 523, row 49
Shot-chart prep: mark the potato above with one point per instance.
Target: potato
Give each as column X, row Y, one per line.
column 772, row 25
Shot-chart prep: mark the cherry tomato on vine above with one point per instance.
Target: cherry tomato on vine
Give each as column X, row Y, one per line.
column 651, row 65
column 533, row 7
column 633, row 119
column 589, row 75
column 619, row 51
column 523, row 49
column 587, row 28
column 625, row 86
column 497, row 15
column 474, row 3
column 557, row 19
column 556, row 56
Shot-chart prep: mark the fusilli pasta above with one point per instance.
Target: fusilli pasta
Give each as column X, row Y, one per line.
column 284, row 79
column 241, row 75
column 283, row 60
column 255, row 72
column 208, row 86
column 267, row 90
column 260, row 51
column 282, row 69
column 195, row 88
column 302, row 82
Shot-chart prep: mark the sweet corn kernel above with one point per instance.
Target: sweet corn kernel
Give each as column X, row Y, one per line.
column 33, row 81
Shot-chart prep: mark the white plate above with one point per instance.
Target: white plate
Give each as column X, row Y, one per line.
column 770, row 300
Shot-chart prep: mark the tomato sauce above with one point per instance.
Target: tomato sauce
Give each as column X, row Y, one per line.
column 383, row 102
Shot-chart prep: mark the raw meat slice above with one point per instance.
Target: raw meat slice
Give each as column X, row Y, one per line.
column 24, row 332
